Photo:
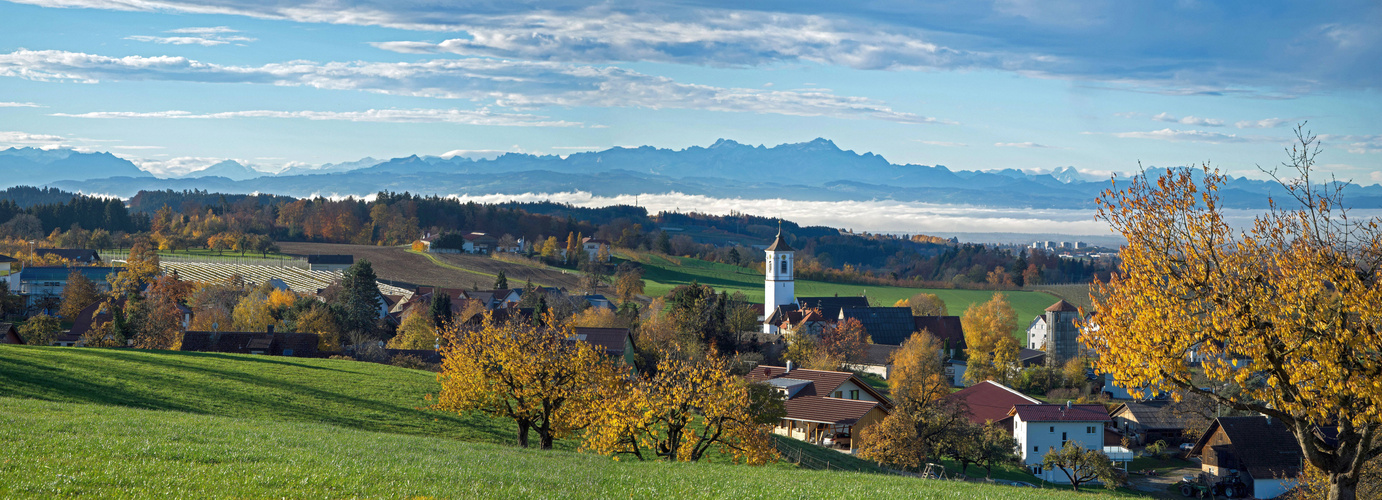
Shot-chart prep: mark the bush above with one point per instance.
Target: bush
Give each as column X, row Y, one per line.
column 413, row 362
column 1063, row 393
column 338, row 356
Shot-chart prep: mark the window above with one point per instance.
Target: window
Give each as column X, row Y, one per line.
column 784, row 264
column 839, row 394
column 1053, row 429
column 854, row 394
column 1090, row 429
column 1063, row 438
column 1036, row 448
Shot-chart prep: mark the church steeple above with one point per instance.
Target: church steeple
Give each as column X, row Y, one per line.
column 778, row 284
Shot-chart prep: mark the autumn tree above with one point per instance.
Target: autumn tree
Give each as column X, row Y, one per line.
column 1074, row 372
column 79, row 293
column 416, row 332
column 924, row 422
column 685, row 409
column 1081, row 465
column 628, row 281
column 317, row 318
column 847, row 340
column 521, row 371
column 598, row 317
column 141, row 268
column 41, row 329
column 990, row 345
column 924, row 304
column 1287, row 308
column 156, row 318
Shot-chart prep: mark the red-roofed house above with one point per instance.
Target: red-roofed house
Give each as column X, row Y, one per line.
column 990, row 401
column 1041, row 428
column 824, row 407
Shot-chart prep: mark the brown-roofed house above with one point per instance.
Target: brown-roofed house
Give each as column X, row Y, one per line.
column 303, row 345
column 1262, row 450
column 1149, row 422
column 946, row 329
column 824, row 407
column 990, row 401
column 613, row 342
column 1041, row 428
column 11, row 335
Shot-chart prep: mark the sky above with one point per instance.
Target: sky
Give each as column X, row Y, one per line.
column 1103, row 86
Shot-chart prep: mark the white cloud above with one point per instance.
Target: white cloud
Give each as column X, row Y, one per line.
column 1021, row 145
column 1189, row 120
column 28, row 138
column 19, row 105
column 480, row 117
column 1265, row 123
column 1167, row 134
column 514, row 84
column 206, row 37
column 1356, row 144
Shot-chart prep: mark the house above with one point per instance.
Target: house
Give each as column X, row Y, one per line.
column 11, row 335
column 1040, row 428
column 1030, row 357
column 1057, row 332
column 804, row 322
column 946, row 329
column 334, row 263
column 597, row 300
column 955, row 371
column 8, row 274
column 592, row 248
column 877, row 360
column 990, row 401
column 1149, row 422
column 1262, row 450
column 829, row 308
column 824, row 407
column 885, row 325
column 76, row 255
column 479, row 243
column 46, row 283
column 267, row 342
column 613, row 342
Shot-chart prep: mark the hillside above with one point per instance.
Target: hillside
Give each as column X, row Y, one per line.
column 131, row 423
column 663, row 272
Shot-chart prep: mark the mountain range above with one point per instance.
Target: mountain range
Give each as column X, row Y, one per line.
column 817, row 170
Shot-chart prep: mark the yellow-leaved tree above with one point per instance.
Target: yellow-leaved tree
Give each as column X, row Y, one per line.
column 532, row 374
column 925, row 304
column 990, row 345
column 416, row 332
column 923, row 419
column 686, row 408
column 1286, row 310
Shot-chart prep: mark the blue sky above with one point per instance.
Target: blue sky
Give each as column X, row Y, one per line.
column 1099, row 85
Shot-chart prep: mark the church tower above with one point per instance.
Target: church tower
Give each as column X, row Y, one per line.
column 778, row 287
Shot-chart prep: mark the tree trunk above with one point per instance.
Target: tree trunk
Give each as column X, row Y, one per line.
column 545, row 435
column 1343, row 487
column 523, row 426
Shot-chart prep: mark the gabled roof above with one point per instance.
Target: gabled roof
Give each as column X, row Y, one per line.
column 1061, row 413
column 1151, row 414
column 1265, row 446
column 780, row 245
column 610, row 340
column 6, row 258
column 990, row 401
column 72, row 254
column 9, row 335
column 944, row 328
column 830, row 306
column 331, row 259
column 1025, row 355
column 1062, row 306
column 879, row 354
column 885, row 325
column 57, row 273
column 822, row 382
column 828, row 410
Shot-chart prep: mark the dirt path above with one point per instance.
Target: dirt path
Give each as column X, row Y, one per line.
column 454, row 271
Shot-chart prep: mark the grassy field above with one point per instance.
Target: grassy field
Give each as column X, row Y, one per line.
column 663, row 273
column 138, row 424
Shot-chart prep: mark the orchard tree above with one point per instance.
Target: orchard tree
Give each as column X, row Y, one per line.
column 925, row 304
column 846, row 340
column 41, row 329
column 990, row 346
column 79, row 293
column 525, row 372
column 1287, row 309
column 416, row 332
column 1081, row 465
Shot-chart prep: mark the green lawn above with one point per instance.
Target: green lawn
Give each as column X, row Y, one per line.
column 138, row 424
column 56, row 449
column 662, row 273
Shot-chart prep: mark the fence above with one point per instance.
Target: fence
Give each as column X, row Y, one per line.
column 797, row 456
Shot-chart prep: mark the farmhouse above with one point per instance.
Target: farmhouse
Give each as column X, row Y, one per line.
column 592, row 248
column 1039, row 429
column 266, row 342
column 885, row 325
column 1149, row 422
column 46, row 283
column 824, row 407
column 877, row 360
column 1261, row 450
column 990, row 402
column 947, row 329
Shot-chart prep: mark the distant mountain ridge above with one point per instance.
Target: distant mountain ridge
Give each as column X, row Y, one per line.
column 33, row 166
column 816, row 170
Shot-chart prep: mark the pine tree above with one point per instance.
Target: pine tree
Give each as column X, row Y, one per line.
column 501, row 282
column 359, row 301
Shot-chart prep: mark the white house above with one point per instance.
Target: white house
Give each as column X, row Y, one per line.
column 1039, row 429
column 592, row 248
column 1036, row 333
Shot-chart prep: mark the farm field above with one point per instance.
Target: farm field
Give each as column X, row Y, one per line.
column 663, row 273
column 454, row 271
column 131, row 423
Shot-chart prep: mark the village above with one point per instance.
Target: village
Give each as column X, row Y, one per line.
column 1034, row 403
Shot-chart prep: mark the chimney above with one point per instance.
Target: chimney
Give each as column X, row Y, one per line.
column 789, row 367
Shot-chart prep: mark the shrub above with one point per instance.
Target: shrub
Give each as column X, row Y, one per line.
column 413, row 362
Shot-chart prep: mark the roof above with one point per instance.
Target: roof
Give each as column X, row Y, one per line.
column 990, row 401
column 611, row 340
column 90, row 316
column 73, row 254
column 780, row 245
column 944, row 328
column 879, row 354
column 822, row 382
column 828, row 410
column 6, row 258
column 331, row 259
column 830, row 306
column 1025, row 355
column 59, row 273
column 1061, row 413
column 9, row 335
column 1062, row 306
column 885, row 325
column 1151, row 414
column 596, row 241
column 1265, row 446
